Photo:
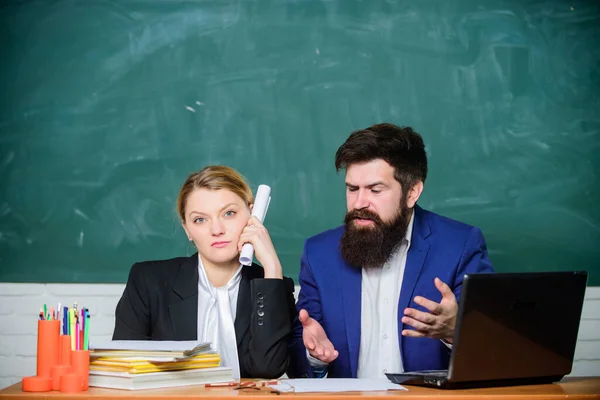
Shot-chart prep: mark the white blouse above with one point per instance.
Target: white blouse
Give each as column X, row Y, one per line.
column 216, row 315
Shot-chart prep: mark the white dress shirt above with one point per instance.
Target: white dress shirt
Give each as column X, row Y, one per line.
column 380, row 293
column 379, row 341
column 217, row 308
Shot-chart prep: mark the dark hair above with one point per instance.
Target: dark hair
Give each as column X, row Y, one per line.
column 401, row 147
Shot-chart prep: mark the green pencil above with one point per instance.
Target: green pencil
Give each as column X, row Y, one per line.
column 86, row 330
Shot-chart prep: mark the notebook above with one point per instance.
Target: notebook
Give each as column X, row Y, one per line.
column 158, row 350
column 155, row 380
column 135, row 365
column 512, row 329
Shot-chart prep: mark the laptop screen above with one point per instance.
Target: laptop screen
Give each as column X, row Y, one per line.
column 517, row 325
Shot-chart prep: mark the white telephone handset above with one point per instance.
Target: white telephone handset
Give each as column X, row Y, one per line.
column 261, row 205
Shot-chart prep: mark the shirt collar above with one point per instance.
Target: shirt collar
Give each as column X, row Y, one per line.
column 409, row 229
column 203, row 278
column 397, row 255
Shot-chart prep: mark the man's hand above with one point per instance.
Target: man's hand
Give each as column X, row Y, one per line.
column 315, row 339
column 439, row 323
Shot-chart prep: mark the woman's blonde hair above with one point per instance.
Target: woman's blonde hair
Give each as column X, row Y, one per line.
column 214, row 177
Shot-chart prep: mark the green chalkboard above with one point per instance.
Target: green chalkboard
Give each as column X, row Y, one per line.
column 106, row 106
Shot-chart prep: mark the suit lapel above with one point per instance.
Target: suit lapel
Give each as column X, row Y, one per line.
column 352, row 292
column 244, row 306
column 184, row 310
column 415, row 260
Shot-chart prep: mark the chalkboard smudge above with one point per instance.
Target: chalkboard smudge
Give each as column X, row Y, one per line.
column 8, row 158
column 462, row 201
column 81, row 214
column 190, row 109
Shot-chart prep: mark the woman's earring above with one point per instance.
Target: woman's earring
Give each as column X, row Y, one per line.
column 190, row 239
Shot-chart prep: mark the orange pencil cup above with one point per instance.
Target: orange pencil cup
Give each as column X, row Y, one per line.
column 64, row 350
column 57, row 372
column 80, row 365
column 70, row 383
column 36, row 384
column 47, row 346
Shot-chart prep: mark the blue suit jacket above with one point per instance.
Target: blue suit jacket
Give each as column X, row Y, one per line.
column 330, row 290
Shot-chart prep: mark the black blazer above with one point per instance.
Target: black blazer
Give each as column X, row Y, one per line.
column 160, row 302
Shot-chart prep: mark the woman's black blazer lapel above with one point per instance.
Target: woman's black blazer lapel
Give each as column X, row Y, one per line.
column 184, row 308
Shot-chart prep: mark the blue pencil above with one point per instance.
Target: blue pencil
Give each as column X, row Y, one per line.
column 65, row 323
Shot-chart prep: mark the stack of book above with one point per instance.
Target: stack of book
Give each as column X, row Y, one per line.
column 133, row 365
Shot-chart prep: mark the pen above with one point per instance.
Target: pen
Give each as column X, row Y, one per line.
column 261, row 385
column 77, row 337
column 222, row 384
column 266, row 383
column 258, row 383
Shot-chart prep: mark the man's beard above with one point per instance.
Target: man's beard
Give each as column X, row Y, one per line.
column 372, row 246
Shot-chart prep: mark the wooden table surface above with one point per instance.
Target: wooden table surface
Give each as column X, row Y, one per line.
column 568, row 388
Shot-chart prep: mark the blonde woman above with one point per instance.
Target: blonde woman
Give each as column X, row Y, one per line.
column 246, row 312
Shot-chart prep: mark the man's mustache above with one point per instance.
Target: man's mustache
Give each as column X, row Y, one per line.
column 362, row 214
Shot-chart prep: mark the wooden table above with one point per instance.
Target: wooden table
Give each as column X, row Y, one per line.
column 571, row 388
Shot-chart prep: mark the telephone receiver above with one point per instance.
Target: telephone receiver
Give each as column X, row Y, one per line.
column 261, row 205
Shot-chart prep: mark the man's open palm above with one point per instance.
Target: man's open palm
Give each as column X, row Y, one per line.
column 315, row 339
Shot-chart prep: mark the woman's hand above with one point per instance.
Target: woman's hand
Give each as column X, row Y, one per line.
column 256, row 233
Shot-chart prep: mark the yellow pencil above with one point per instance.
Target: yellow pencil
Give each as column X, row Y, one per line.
column 72, row 324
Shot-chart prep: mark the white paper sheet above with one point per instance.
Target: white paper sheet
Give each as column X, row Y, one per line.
column 335, row 385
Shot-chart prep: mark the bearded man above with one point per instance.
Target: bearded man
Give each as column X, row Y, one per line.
column 379, row 294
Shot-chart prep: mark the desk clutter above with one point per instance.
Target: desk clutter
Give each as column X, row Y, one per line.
column 67, row 363
column 62, row 357
column 134, row 365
